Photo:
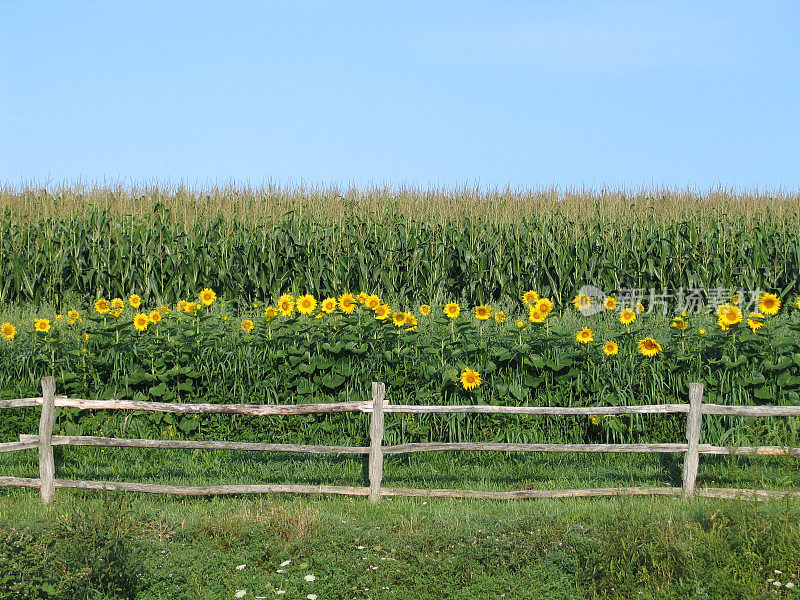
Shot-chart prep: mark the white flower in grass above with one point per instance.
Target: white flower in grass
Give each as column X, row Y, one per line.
column 312, row 597
column 281, row 571
column 280, row 592
column 777, row 583
column 240, row 593
column 286, row 563
column 240, row 567
column 789, row 585
column 310, row 577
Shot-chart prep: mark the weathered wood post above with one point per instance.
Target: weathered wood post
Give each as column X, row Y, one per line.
column 694, row 423
column 47, row 468
column 376, row 441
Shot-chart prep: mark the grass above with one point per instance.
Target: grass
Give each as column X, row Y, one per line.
column 171, row 547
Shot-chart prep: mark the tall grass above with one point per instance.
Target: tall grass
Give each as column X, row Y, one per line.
column 250, row 243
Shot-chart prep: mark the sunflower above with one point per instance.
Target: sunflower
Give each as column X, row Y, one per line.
column 755, row 321
column 329, row 305
column 769, row 304
column 41, row 325
column 610, row 303
column 627, row 316
column 270, row 313
column 722, row 324
column 362, row 297
column 181, row 305
column 610, row 348
column 581, row 302
column 425, row 310
column 8, row 331
column 306, row 304
column 191, row 308
column 500, row 316
column 373, row 302
column 530, row 296
column 154, row 316
column 399, row 319
column 470, row 379
column 207, row 296
column 544, row 306
column 483, row 313
column 535, row 315
column 116, row 313
column 101, row 306
column 134, row 300
column 680, row 323
column 247, row 325
column 452, row 310
column 649, row 347
column 347, row 303
column 286, row 305
column 411, row 321
column 117, row 303
column 730, row 314
column 797, row 303
column 585, row 335
column 85, row 337
column 140, row 322
column 74, row 316
column 735, row 299
column 701, row 331
column 382, row 312
column 639, row 307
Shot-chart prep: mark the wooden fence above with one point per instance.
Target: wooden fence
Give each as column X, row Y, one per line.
column 377, row 408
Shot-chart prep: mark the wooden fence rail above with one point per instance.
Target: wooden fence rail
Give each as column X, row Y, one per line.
column 377, row 408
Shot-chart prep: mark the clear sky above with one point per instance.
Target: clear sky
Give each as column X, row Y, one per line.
column 527, row 94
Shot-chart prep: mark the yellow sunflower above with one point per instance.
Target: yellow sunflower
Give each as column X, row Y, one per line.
column 154, row 316
column 500, row 316
column 585, row 335
column 102, row 306
column 680, row 323
column 207, row 296
column 117, row 303
column 306, row 304
column 610, row 303
column 247, row 325
column 8, row 331
column 135, row 300
column 730, row 314
column 411, row 321
column 769, row 304
column 116, row 313
column 722, row 324
column 399, row 319
column 470, row 379
column 535, row 315
column 483, row 313
column 373, row 302
column 755, row 321
column 41, row 325
column 544, row 306
column 181, row 305
column 74, row 316
column 797, row 303
column 452, row 310
column 191, row 308
column 627, row 316
column 530, row 296
column 701, row 331
column 639, row 307
column 329, row 305
column 649, row 347
column 520, row 324
column 286, row 305
column 347, row 303
column 140, row 322
column 610, row 348
column 382, row 312
column 362, row 297
column 425, row 310
column 581, row 302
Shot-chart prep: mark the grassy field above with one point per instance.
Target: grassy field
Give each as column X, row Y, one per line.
column 95, row 545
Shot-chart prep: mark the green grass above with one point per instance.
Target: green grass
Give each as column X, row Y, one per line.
column 173, row 547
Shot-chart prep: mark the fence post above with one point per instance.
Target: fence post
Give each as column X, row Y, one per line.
column 376, row 441
column 694, row 423
column 47, row 468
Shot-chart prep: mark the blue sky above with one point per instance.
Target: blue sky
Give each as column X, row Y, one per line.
column 526, row 94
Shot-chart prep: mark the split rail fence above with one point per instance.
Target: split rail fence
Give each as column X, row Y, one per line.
column 377, row 408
